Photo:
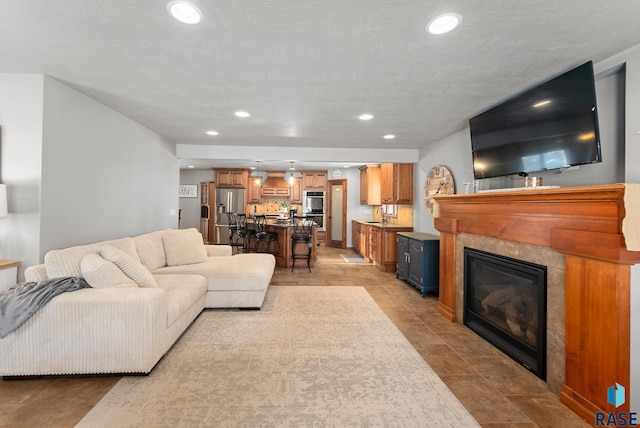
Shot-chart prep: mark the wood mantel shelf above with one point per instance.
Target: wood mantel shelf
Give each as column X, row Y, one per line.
column 597, row 229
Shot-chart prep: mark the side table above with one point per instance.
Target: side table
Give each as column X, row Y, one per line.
column 8, row 274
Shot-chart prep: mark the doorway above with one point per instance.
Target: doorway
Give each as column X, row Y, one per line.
column 337, row 214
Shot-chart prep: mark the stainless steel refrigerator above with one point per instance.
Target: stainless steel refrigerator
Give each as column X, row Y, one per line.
column 227, row 201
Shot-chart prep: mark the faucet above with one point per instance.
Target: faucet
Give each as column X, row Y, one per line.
column 383, row 213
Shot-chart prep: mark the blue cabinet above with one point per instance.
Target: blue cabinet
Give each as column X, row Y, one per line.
column 418, row 260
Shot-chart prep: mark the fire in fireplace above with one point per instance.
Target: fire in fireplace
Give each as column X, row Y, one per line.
column 505, row 302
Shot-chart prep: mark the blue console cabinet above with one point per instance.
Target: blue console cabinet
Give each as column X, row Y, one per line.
column 418, row 260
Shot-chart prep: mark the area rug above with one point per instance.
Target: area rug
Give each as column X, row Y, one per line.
column 353, row 258
column 311, row 357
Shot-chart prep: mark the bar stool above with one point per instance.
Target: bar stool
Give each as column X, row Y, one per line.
column 302, row 234
column 244, row 235
column 265, row 237
column 235, row 237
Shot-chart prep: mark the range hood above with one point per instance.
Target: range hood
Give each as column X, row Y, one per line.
column 275, row 185
column 275, row 179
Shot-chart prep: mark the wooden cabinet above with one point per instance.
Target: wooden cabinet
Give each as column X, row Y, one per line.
column 383, row 249
column 276, row 191
column 296, row 191
column 204, row 230
column 377, row 244
column 418, row 261
column 356, row 230
column 207, row 205
column 322, row 238
column 396, row 183
column 314, row 180
column 254, row 188
column 360, row 239
column 232, row 178
column 370, row 185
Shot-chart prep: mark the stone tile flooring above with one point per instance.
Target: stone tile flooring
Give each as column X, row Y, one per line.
column 497, row 391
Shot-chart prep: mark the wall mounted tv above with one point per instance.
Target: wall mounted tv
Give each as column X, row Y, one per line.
column 554, row 125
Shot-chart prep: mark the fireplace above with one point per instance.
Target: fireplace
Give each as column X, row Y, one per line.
column 505, row 303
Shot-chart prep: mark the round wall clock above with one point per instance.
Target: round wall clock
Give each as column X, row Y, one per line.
column 439, row 182
column 336, row 174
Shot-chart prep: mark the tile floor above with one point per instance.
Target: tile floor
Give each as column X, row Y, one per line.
column 496, row 391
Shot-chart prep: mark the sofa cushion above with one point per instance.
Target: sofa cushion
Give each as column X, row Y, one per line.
column 151, row 250
column 101, row 273
column 130, row 266
column 242, row 272
column 182, row 292
column 66, row 262
column 183, row 247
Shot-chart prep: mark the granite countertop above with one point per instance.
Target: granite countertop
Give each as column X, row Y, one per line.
column 287, row 223
column 379, row 224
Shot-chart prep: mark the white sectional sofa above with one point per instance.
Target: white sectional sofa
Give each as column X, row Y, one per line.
column 149, row 289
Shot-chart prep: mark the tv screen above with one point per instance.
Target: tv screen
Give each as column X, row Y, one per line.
column 554, row 125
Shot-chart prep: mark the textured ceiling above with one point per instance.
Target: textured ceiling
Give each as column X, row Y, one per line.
column 306, row 69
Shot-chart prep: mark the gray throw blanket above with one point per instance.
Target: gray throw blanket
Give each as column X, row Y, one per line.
column 17, row 304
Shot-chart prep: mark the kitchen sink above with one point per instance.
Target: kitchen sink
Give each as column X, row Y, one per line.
column 373, row 222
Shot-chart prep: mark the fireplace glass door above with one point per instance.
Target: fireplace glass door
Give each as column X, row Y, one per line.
column 505, row 303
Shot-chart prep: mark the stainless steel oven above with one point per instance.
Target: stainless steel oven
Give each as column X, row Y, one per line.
column 313, row 203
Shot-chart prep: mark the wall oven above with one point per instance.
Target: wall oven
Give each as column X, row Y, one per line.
column 313, row 203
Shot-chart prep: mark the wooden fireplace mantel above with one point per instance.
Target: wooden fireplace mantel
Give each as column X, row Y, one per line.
column 597, row 229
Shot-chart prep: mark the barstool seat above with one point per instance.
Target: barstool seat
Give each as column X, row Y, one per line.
column 302, row 235
column 236, row 239
column 264, row 237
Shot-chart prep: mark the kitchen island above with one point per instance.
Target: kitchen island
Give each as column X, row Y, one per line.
column 284, row 230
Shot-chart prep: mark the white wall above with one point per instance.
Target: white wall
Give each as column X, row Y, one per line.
column 77, row 171
column 191, row 206
column 631, row 59
column 354, row 209
column 21, row 154
column 104, row 176
column 454, row 152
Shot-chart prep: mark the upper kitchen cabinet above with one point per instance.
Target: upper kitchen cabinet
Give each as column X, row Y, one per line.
column 232, row 178
column 296, row 191
column 314, row 180
column 253, row 191
column 370, row 185
column 396, row 183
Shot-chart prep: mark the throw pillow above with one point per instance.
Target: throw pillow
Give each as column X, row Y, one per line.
column 184, row 247
column 130, row 266
column 101, row 273
column 150, row 250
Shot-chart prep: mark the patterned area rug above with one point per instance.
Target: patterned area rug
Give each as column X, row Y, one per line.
column 312, row 357
column 353, row 258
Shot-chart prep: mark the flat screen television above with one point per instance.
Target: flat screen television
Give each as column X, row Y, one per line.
column 553, row 125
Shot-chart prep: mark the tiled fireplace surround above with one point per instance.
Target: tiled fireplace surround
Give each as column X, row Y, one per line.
column 555, row 264
column 588, row 237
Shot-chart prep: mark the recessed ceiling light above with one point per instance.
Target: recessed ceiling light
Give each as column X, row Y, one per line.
column 541, row 103
column 212, row 132
column 184, row 12
column 346, row 166
column 365, row 116
column 242, row 114
column 444, row 23
column 190, row 166
column 389, row 137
